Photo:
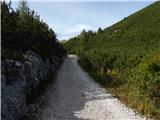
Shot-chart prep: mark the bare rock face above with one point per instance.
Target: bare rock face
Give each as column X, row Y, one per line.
column 18, row 79
column 35, row 70
column 13, row 89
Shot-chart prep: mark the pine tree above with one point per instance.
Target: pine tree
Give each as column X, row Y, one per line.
column 99, row 30
column 23, row 8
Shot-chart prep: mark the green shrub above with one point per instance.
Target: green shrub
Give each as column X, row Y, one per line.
column 132, row 48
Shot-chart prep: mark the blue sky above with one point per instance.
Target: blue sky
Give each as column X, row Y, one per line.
column 68, row 19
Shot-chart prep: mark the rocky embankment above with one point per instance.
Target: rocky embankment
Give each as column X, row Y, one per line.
column 20, row 78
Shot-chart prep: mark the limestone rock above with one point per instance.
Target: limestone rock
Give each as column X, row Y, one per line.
column 20, row 78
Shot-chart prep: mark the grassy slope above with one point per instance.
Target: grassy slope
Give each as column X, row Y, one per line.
column 129, row 54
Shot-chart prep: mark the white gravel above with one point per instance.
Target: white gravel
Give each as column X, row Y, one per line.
column 75, row 96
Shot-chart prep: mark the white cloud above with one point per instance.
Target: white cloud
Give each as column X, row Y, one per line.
column 78, row 28
column 66, row 32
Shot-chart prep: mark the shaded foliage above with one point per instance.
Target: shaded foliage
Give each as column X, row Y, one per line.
column 23, row 30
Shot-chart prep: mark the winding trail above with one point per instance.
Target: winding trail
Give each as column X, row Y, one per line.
column 75, row 96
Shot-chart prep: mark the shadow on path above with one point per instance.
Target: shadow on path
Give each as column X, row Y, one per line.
column 71, row 92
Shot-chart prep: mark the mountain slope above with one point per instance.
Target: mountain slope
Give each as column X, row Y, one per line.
column 127, row 56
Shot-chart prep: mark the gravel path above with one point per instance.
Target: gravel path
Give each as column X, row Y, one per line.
column 75, row 96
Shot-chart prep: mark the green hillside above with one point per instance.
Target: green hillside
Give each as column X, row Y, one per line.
column 125, row 58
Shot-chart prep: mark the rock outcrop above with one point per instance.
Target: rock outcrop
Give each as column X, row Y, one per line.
column 20, row 78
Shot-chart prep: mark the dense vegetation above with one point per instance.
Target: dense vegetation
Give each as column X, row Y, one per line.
column 125, row 58
column 23, row 30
